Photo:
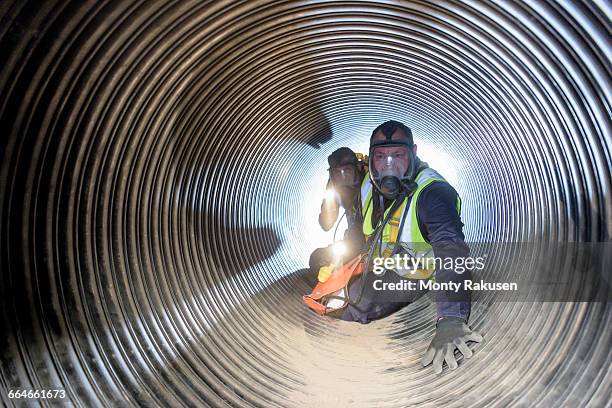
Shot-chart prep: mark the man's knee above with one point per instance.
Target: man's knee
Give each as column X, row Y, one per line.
column 367, row 304
column 365, row 313
column 320, row 257
column 354, row 313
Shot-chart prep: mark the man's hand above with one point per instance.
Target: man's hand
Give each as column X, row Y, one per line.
column 325, row 272
column 451, row 333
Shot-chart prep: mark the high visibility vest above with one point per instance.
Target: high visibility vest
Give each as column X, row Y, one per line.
column 411, row 237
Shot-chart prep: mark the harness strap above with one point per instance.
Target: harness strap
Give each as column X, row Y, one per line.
column 372, row 246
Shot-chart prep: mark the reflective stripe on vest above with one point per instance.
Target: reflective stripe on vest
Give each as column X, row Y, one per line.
column 391, row 229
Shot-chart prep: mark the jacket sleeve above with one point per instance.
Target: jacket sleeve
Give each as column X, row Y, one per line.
column 442, row 228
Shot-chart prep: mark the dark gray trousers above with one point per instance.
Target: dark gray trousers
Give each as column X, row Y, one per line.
column 374, row 304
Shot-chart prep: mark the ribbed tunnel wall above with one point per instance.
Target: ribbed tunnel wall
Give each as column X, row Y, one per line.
column 163, row 164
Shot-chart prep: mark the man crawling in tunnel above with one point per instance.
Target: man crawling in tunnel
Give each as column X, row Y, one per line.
column 406, row 209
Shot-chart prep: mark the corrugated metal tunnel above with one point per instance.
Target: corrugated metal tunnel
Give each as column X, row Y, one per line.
column 162, row 169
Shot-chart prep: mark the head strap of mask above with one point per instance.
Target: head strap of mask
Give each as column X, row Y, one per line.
column 407, row 180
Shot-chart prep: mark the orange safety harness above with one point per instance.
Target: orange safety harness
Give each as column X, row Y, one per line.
column 340, row 278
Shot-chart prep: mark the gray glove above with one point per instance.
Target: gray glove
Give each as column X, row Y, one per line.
column 451, row 333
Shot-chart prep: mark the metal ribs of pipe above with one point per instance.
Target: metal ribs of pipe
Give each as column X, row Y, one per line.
column 160, row 165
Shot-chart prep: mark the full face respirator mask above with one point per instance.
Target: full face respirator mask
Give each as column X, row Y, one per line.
column 392, row 167
column 346, row 175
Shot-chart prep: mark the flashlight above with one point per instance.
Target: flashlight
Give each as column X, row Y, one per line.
column 339, row 249
column 330, row 194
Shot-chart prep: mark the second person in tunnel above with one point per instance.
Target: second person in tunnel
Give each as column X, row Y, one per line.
column 347, row 173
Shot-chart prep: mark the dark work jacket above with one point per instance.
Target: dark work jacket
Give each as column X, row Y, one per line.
column 442, row 228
